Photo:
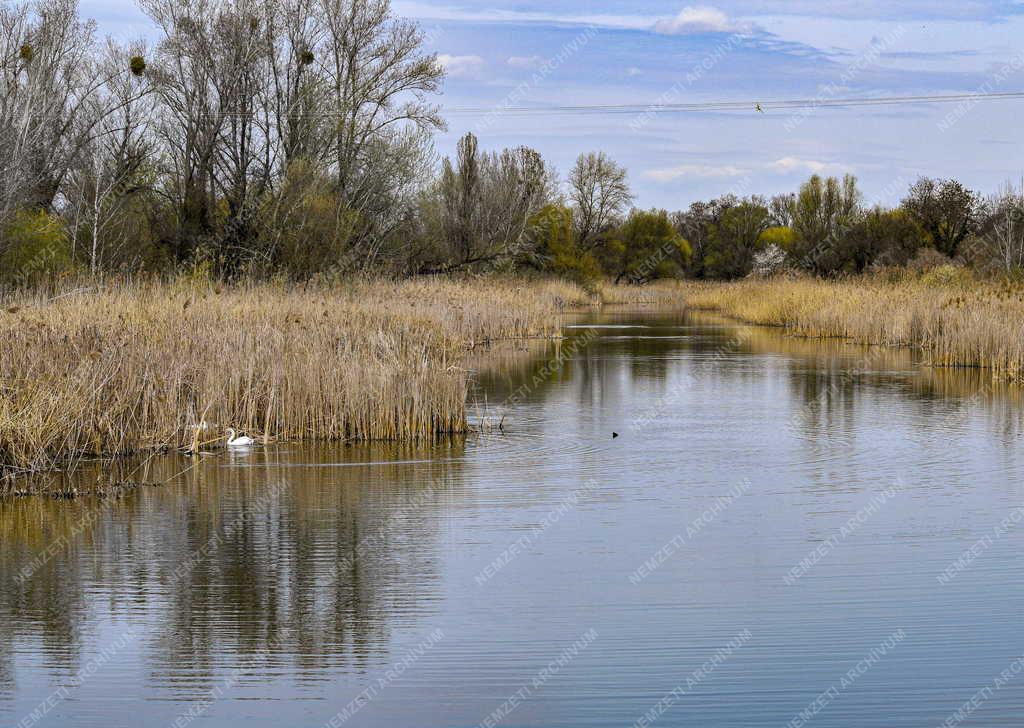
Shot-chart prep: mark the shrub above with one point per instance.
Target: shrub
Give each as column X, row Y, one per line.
column 305, row 228
column 769, row 262
column 888, row 238
column 947, row 275
column 34, row 245
column 927, row 259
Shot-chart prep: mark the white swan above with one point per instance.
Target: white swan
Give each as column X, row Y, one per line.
column 234, row 441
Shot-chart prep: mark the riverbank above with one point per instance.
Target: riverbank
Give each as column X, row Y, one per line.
column 115, row 369
column 956, row 320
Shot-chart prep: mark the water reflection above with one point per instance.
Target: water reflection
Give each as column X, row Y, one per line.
column 306, row 555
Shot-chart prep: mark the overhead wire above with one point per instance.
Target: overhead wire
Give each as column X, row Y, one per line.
column 726, row 106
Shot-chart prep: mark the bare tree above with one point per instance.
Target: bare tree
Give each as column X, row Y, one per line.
column 112, row 170
column 252, row 87
column 299, row 90
column 1001, row 243
column 781, row 208
column 17, row 108
column 190, row 111
column 487, row 201
column 53, row 99
column 599, row 194
column 212, row 79
column 462, row 194
column 379, row 79
column 379, row 76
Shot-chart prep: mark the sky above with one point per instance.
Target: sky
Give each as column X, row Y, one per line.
column 530, row 53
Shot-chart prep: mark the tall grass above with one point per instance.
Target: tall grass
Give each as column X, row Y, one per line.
column 956, row 320
column 122, row 368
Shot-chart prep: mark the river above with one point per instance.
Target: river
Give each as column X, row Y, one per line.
column 782, row 533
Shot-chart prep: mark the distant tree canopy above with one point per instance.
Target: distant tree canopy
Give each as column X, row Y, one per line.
column 599, row 194
column 735, row 238
column 945, row 210
column 295, row 138
column 824, row 213
column 644, row 248
column 555, row 247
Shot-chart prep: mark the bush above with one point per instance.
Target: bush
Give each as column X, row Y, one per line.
column 947, row 275
column 306, row 229
column 769, row 262
column 927, row 259
column 34, row 246
column 887, row 238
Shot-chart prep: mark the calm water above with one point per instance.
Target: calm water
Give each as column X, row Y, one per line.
column 772, row 540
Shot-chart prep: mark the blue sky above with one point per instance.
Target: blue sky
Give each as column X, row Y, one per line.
column 744, row 50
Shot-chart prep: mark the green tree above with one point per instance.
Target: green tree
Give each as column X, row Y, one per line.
column 947, row 211
column 884, row 237
column 824, row 212
column 735, row 239
column 784, row 237
column 695, row 225
column 556, row 248
column 646, row 247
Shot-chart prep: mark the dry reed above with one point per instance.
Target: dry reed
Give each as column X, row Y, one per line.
column 956, row 320
column 124, row 368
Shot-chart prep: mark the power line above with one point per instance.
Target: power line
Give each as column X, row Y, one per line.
column 713, row 106
column 659, row 108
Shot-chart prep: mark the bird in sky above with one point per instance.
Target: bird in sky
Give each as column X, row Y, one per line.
column 759, row 109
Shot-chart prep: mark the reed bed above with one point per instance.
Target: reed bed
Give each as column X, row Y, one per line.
column 121, row 368
column 956, row 320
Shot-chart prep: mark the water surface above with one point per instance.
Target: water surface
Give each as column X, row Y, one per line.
column 775, row 532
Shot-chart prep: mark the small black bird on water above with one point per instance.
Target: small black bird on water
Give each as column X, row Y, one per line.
column 759, row 109
column 614, row 435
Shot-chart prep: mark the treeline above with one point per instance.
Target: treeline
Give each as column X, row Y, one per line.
column 255, row 137
column 294, row 138
column 826, row 229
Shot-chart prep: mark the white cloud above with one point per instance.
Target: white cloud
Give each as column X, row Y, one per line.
column 690, row 20
column 769, row 10
column 693, row 170
column 701, row 19
column 526, row 62
column 429, row 11
column 462, row 66
column 633, row 71
column 786, row 165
